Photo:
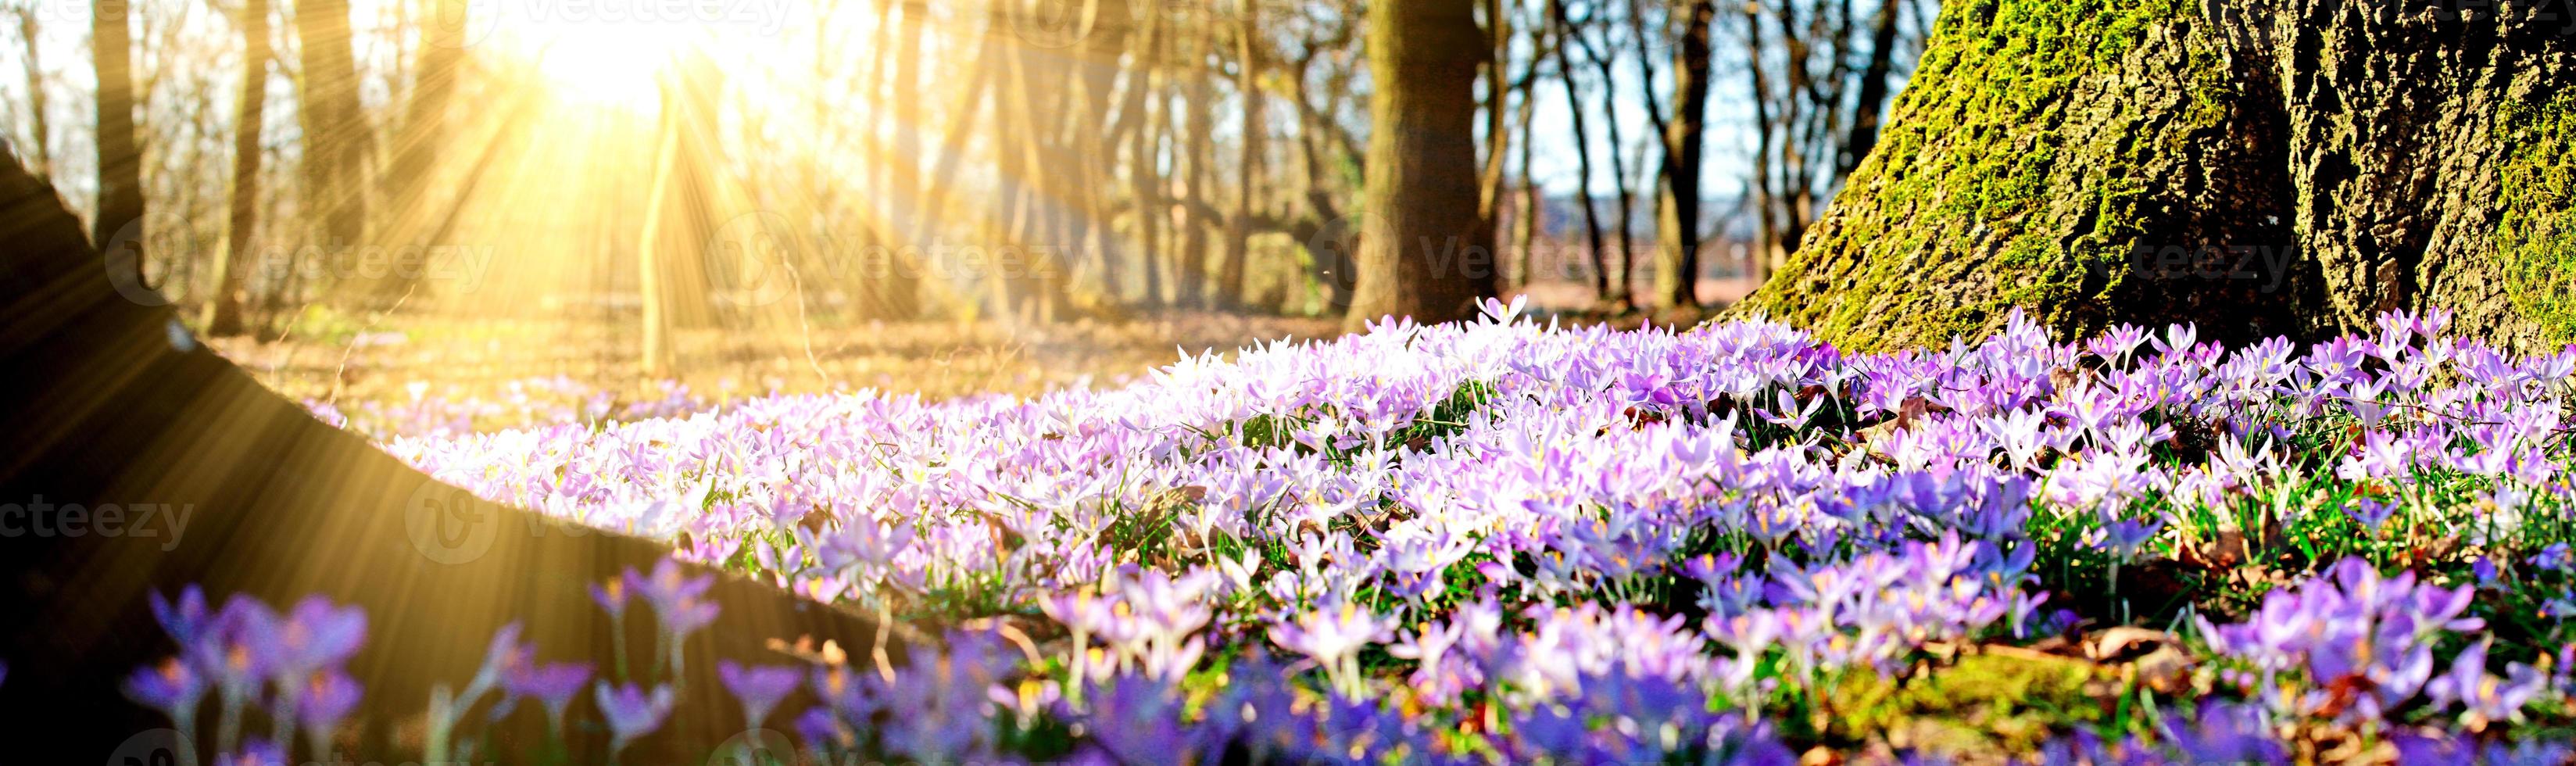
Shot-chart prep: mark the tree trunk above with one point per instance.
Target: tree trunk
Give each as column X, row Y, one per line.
column 1144, row 170
column 1191, row 273
column 680, row 215
column 421, row 141
column 2284, row 167
column 1498, row 101
column 895, row 286
column 335, row 131
column 1424, row 251
column 1619, row 296
column 1873, row 89
column 278, row 506
column 36, row 111
column 1238, row 240
column 224, row 309
column 1599, row 251
column 1108, row 40
column 1685, row 149
column 117, row 230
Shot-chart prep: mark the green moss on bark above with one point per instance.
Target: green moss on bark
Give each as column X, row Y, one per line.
column 2536, row 230
column 2001, row 182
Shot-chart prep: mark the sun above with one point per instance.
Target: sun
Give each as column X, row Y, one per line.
column 616, row 63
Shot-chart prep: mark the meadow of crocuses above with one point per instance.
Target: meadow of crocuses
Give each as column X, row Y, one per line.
column 1506, row 541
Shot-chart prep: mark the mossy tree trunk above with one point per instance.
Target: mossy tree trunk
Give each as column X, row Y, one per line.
column 2264, row 167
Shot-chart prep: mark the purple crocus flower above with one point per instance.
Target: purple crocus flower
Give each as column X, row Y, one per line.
column 2558, row 557
column 184, row 619
column 326, row 699
column 173, row 687
column 551, row 684
column 631, row 712
column 676, row 598
column 316, row 635
column 611, row 597
column 759, row 688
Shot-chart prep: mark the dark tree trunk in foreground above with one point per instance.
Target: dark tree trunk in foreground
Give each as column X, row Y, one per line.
column 1424, row 250
column 118, row 228
column 115, row 406
column 2258, row 167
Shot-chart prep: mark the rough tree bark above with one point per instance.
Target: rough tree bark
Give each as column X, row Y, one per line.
column 1424, row 250
column 2259, row 167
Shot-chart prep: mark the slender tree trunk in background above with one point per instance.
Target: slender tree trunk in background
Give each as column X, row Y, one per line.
column 1238, row 240
column 439, row 63
column 680, row 214
column 657, row 359
column 1498, row 95
column 1686, row 149
column 335, row 131
column 423, row 138
column 120, row 160
column 1144, row 172
column 1622, row 294
column 981, row 81
column 1033, row 121
column 1332, row 244
column 879, row 104
column 1797, row 185
column 1598, row 249
column 1112, row 30
column 1873, row 89
column 224, row 309
column 1200, row 143
column 1766, row 139
column 36, row 109
column 1082, row 145
column 2274, row 167
column 1424, row 251
column 897, row 288
column 1533, row 208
